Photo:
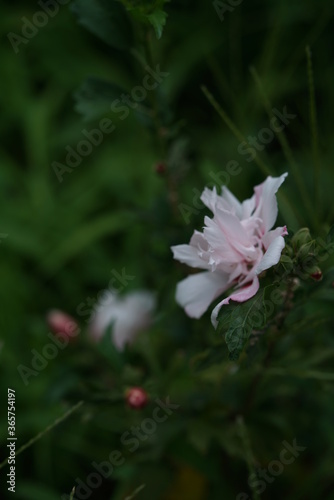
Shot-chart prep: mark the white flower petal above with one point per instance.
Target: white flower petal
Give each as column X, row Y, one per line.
column 196, row 292
column 198, row 240
column 209, row 198
column 128, row 315
column 248, row 207
column 269, row 237
column 103, row 314
column 266, row 200
column 272, row 255
column 188, row 254
column 234, row 204
column 123, row 333
column 231, row 226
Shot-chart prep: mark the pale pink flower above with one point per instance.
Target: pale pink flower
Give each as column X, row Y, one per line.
column 127, row 315
column 236, row 245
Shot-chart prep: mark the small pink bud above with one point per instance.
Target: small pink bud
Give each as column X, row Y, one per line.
column 136, row 398
column 160, row 168
column 317, row 276
column 60, row 322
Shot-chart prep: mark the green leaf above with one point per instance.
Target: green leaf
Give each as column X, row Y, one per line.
column 242, row 320
column 158, row 21
column 106, row 19
column 94, row 98
column 148, row 12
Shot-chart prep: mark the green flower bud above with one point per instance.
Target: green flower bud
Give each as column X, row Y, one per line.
column 286, row 262
column 305, row 250
column 301, row 237
column 288, row 250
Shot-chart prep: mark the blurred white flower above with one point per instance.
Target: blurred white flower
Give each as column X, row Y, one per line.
column 236, row 245
column 129, row 315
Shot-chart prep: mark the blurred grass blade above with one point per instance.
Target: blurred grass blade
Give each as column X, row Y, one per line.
column 84, row 236
column 281, row 137
column 249, row 457
column 42, row 433
column 314, row 129
column 236, row 132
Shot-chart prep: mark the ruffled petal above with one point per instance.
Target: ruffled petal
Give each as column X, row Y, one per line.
column 197, row 240
column 231, row 226
column 247, row 207
column 209, row 198
column 233, row 204
column 272, row 255
column 243, row 294
column 196, row 292
column 272, row 235
column 266, row 201
column 236, row 234
column 188, row 254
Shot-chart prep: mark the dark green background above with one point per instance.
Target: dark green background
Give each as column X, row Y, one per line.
column 114, row 211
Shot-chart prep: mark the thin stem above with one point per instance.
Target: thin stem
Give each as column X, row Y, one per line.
column 221, row 80
column 135, row 493
column 42, row 433
column 235, row 131
column 156, row 112
column 235, row 52
column 281, row 137
column 257, row 379
column 279, row 322
column 160, row 133
column 248, row 454
column 314, row 128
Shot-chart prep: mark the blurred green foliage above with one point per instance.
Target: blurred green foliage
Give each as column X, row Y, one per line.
column 120, row 208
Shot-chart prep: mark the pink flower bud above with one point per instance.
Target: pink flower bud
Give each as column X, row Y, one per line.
column 317, row 276
column 136, row 397
column 60, row 322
